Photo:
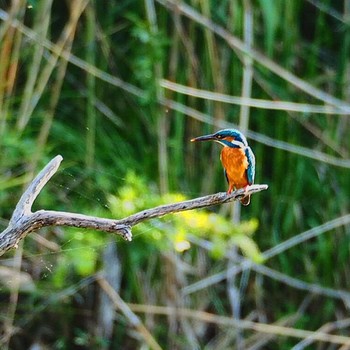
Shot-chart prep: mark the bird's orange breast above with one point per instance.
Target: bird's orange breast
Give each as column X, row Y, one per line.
column 235, row 163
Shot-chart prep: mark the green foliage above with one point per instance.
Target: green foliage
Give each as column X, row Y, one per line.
column 148, row 50
column 81, row 251
column 271, row 11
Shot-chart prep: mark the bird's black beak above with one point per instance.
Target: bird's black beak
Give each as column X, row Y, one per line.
column 204, row 138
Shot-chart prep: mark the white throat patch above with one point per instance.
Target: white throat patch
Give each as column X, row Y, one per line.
column 238, row 143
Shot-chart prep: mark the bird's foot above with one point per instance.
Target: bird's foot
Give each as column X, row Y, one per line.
column 245, row 188
column 246, row 197
column 230, row 190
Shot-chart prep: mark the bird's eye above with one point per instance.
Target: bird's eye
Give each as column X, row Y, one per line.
column 219, row 137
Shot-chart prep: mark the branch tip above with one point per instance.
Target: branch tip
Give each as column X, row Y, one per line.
column 126, row 233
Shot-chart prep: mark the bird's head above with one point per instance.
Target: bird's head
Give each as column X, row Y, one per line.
column 227, row 137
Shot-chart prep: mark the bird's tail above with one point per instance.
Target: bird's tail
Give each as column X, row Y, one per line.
column 245, row 200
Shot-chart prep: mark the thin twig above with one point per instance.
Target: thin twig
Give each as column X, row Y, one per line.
column 265, row 328
column 326, row 328
column 133, row 319
column 235, row 43
column 261, row 138
column 276, row 275
column 57, row 50
column 23, row 221
column 270, row 253
column 247, row 101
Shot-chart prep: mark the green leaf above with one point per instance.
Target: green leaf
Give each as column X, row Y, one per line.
column 248, row 247
column 271, row 14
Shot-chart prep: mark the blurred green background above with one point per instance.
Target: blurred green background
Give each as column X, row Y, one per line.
column 106, row 85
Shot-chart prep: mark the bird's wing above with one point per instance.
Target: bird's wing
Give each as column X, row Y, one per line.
column 251, row 165
column 225, row 172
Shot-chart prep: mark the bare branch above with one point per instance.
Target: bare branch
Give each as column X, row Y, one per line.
column 196, row 203
column 24, row 221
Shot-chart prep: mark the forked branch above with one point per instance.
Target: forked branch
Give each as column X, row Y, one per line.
column 24, row 221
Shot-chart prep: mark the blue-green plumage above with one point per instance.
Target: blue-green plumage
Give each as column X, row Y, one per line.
column 251, row 165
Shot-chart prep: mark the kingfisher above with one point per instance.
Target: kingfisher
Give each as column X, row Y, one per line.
column 236, row 157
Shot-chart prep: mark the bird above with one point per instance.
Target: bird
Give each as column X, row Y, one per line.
column 237, row 159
